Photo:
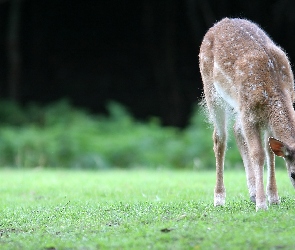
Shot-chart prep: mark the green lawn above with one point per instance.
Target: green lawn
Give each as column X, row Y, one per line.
column 62, row 209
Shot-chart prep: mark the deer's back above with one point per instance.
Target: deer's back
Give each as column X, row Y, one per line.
column 244, row 63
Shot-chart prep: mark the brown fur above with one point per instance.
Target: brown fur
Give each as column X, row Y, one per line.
column 245, row 74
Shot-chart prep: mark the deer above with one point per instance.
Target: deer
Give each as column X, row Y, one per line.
column 247, row 78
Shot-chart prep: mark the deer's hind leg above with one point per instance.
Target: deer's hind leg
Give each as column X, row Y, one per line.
column 218, row 116
column 244, row 151
column 219, row 138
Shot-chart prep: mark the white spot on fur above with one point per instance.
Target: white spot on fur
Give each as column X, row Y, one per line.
column 240, row 72
column 265, row 94
column 278, row 104
column 270, row 64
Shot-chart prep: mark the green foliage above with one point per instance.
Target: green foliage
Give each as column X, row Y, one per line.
column 60, row 135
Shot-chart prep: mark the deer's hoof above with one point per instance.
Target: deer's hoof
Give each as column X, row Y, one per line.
column 261, row 206
column 253, row 198
column 273, row 198
column 219, row 199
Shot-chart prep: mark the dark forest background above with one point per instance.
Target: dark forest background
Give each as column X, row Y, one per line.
column 140, row 53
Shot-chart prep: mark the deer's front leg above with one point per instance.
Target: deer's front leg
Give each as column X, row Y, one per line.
column 271, row 189
column 257, row 157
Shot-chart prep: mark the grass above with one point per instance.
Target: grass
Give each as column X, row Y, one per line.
column 136, row 209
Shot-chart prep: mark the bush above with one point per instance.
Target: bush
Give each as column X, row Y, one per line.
column 59, row 135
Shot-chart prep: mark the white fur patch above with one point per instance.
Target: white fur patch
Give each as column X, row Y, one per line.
column 225, row 96
column 221, row 92
column 219, row 199
column 261, row 206
column 273, row 199
column 219, row 69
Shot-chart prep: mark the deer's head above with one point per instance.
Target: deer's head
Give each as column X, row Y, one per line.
column 288, row 153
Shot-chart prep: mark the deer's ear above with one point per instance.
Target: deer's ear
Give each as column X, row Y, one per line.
column 279, row 148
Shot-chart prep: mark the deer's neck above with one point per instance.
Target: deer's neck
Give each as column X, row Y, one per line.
column 282, row 121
